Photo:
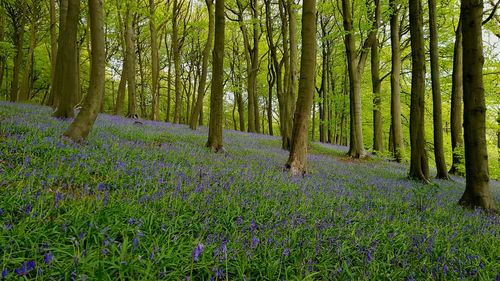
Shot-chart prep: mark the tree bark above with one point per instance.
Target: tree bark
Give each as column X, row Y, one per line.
column 25, row 89
column 81, row 126
column 419, row 168
column 457, row 140
column 477, row 188
column 155, row 60
column 177, row 62
column 378, row 145
column 131, row 65
column 67, row 52
column 56, row 84
column 397, row 132
column 195, row 114
column 53, row 46
column 293, row 72
column 217, row 96
column 18, row 18
column 442, row 172
column 298, row 154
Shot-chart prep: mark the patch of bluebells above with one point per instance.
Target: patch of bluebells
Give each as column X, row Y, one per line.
column 152, row 201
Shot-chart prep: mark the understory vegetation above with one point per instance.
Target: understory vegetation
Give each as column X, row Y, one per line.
column 148, row 202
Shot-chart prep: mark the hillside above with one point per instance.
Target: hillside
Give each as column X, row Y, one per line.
column 148, row 202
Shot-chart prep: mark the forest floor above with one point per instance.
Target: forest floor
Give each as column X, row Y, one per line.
column 149, row 202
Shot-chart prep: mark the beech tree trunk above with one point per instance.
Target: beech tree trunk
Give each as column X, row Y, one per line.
column 286, row 116
column 18, row 18
column 477, row 188
column 419, row 168
column 25, row 89
column 67, row 52
column 396, row 132
column 442, row 172
column 294, row 54
column 131, row 64
column 155, row 61
column 195, row 114
column 53, row 47
column 81, row 126
column 55, row 88
column 298, row 154
column 457, row 140
column 177, row 62
column 378, row 145
column 217, row 96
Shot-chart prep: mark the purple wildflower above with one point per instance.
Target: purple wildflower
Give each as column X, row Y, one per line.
column 135, row 243
column 59, row 197
column 369, row 256
column 48, row 257
column 5, row 272
column 286, row 252
column 445, row 269
column 23, row 270
column 100, row 186
column 197, row 252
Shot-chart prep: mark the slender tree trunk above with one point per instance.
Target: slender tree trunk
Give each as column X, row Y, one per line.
column 131, row 65
column 255, row 62
column 356, row 147
column 457, row 140
column 419, row 168
column 293, row 72
column 177, row 62
column 53, row 46
column 155, row 68
column 25, row 89
column 378, row 145
column 271, row 80
column 81, row 126
column 298, row 154
column 18, row 35
column 216, row 99
column 122, row 86
column 67, row 52
column 195, row 114
column 142, row 76
column 477, row 188
column 442, row 172
column 56, row 84
column 397, row 132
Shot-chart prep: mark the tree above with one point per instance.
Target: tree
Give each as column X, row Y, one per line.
column 66, row 68
column 477, row 189
column 356, row 65
column 81, row 126
column 130, row 47
column 378, row 144
column 298, row 154
column 419, row 168
column 396, row 130
column 195, row 114
column 217, row 95
column 442, row 172
column 155, row 60
column 457, row 140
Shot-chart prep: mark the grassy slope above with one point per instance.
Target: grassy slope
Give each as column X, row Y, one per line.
column 136, row 201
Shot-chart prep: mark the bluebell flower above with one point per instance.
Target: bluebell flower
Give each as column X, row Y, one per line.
column 48, row 257
column 5, row 272
column 135, row 243
column 197, row 252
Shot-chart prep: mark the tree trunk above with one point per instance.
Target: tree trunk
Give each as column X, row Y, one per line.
column 271, row 80
column 53, row 46
column 217, row 96
column 477, row 188
column 177, row 62
column 298, row 154
column 457, row 140
column 25, row 89
column 18, row 38
column 81, row 126
column 131, row 65
column 155, row 60
column 286, row 116
column 56, row 84
column 442, row 172
column 67, row 52
column 397, row 132
column 195, row 114
column 419, row 168
column 378, row 145
column 293, row 72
